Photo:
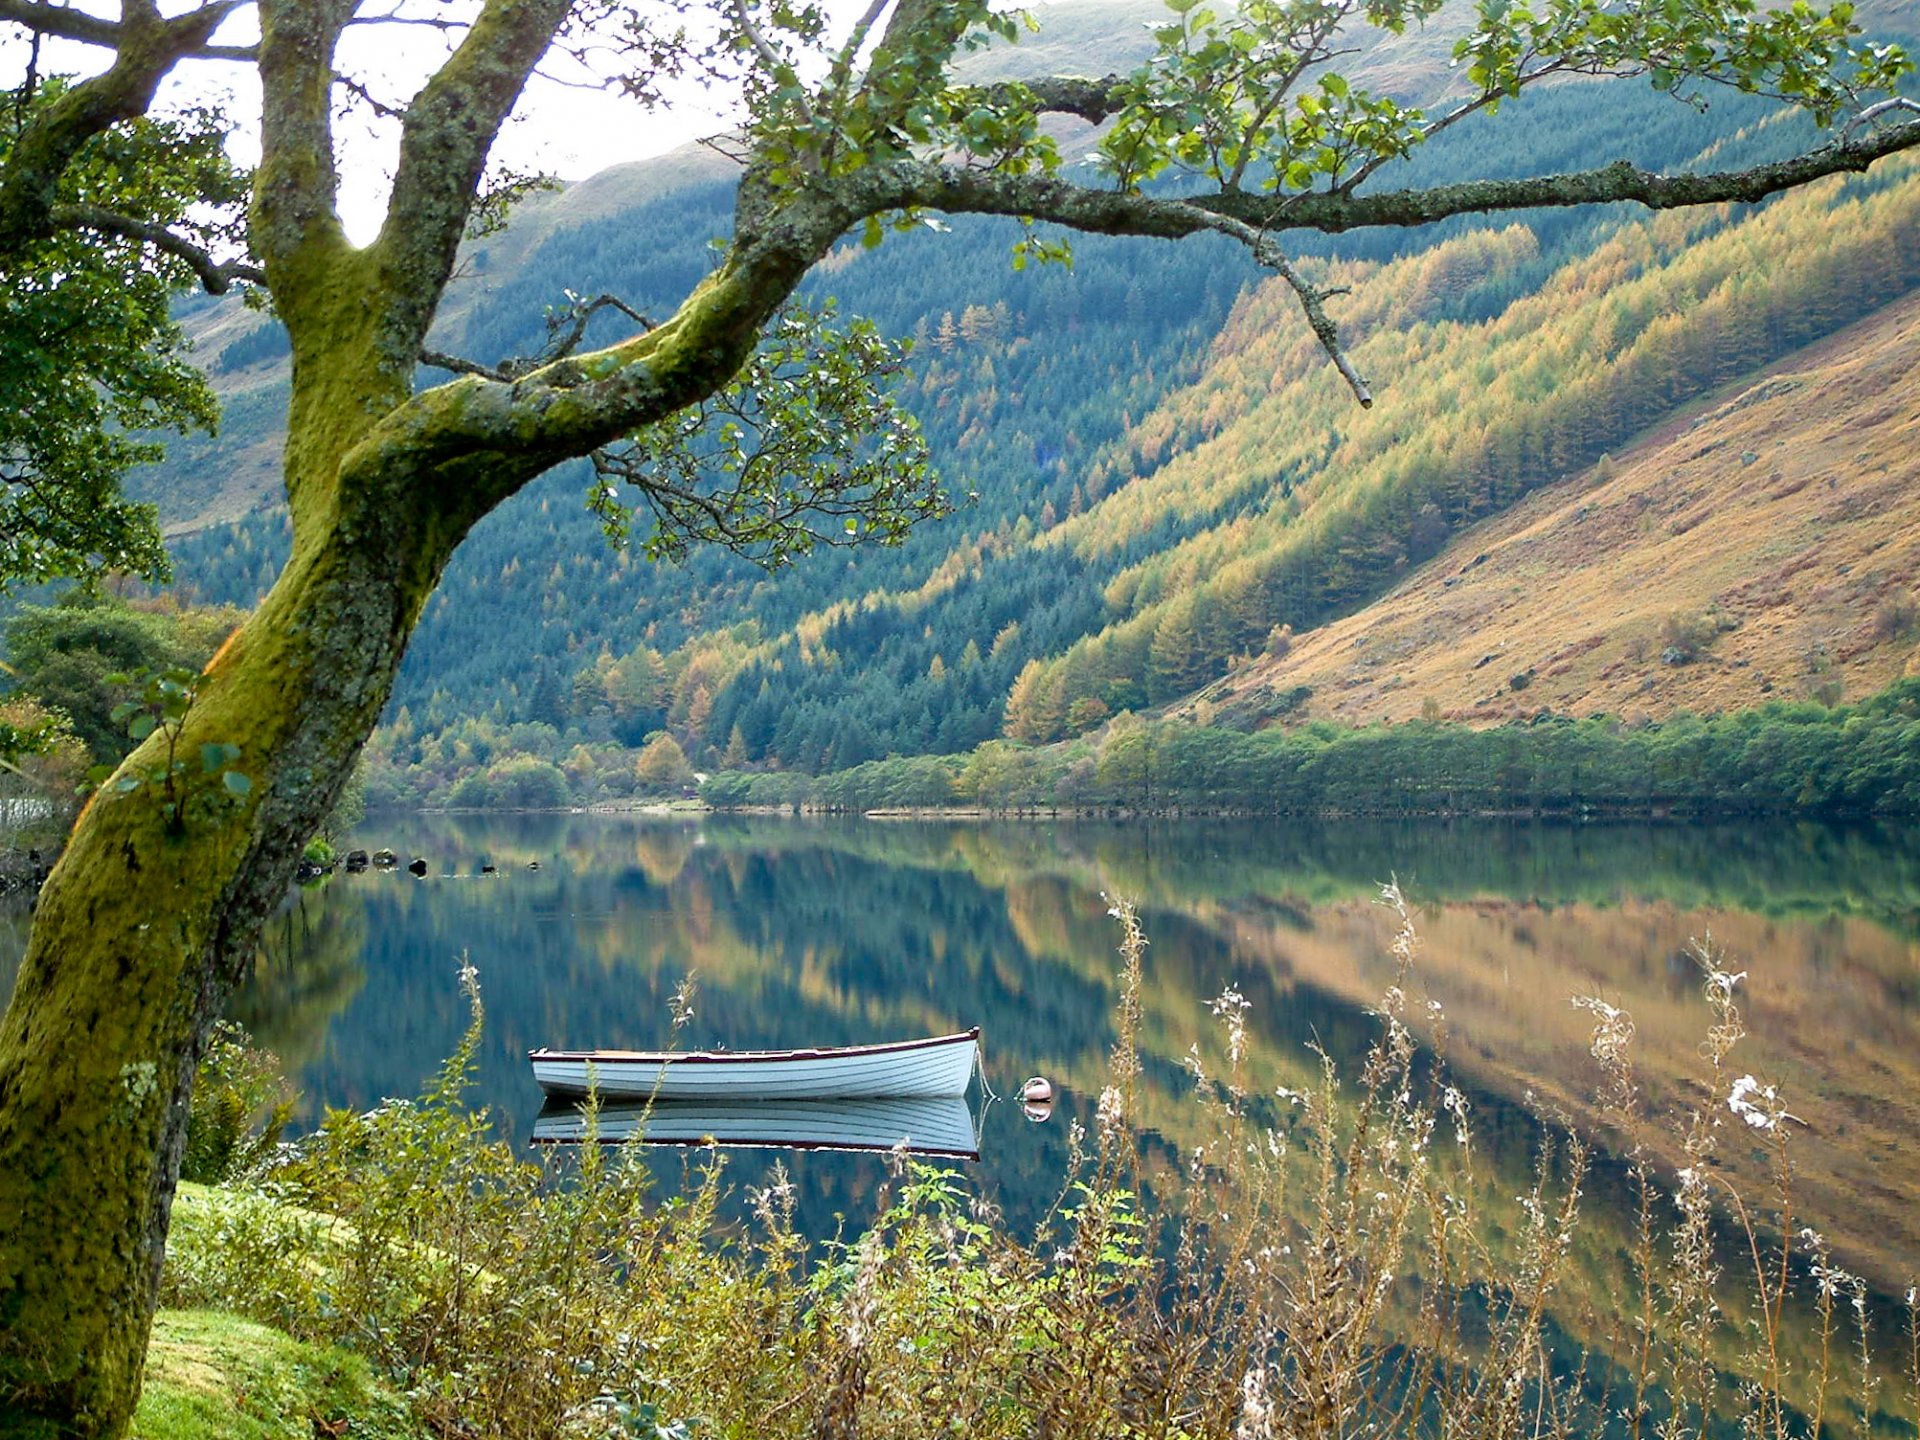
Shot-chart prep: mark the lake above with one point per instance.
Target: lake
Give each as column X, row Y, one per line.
column 808, row 932
column 822, row 931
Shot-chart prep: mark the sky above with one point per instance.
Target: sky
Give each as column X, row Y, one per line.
column 564, row 124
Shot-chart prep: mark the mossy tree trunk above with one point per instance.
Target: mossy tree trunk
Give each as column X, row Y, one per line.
column 141, row 933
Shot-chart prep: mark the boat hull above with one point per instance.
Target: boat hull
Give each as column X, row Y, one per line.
column 933, row 1068
column 942, row 1126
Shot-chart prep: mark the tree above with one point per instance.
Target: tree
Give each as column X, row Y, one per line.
column 89, row 356
column 662, row 764
column 74, row 656
column 739, row 420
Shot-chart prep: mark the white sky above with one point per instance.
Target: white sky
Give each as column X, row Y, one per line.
column 558, row 128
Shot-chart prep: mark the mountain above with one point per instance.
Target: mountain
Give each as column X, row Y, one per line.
column 1166, row 472
column 1322, row 510
column 1764, row 543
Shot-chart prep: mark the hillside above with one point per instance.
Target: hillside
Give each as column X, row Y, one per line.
column 1764, row 544
column 1164, row 471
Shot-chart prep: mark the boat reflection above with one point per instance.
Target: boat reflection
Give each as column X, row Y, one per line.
column 939, row 1126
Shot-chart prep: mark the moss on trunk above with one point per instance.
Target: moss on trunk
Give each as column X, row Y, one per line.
column 143, row 929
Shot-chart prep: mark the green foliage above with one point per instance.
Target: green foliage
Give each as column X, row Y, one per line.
column 515, row 782
column 90, row 358
column 1806, row 759
column 41, row 765
column 28, row 728
column 805, row 447
column 160, row 703
column 68, row 655
column 1222, row 98
column 240, row 1108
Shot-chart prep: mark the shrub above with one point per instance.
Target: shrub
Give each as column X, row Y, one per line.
column 526, row 783
column 1687, row 637
column 240, row 1108
column 1896, row 617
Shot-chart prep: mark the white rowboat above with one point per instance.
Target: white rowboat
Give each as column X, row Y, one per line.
column 940, row 1125
column 938, row 1066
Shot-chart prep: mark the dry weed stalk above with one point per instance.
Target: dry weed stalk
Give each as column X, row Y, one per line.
column 1339, row 1264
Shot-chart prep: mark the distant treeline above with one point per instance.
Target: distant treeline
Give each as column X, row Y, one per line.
column 1784, row 758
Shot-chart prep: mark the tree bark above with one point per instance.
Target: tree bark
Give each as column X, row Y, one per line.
column 143, row 931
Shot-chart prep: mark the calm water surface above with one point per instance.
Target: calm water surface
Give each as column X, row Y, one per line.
column 833, row 932
column 805, row 932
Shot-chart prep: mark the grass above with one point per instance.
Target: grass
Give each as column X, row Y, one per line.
column 1771, row 543
column 213, row 1376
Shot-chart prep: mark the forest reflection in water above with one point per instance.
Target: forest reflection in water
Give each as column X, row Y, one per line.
column 841, row 932
column 812, row 932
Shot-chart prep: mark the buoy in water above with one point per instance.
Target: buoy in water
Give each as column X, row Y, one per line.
column 1037, row 1111
column 418, row 867
column 1037, row 1091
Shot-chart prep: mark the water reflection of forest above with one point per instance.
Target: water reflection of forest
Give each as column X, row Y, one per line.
column 808, row 932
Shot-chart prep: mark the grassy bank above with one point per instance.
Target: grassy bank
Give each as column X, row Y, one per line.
column 216, row 1376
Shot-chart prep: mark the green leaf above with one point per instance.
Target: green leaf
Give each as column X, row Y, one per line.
column 141, row 727
column 237, row 782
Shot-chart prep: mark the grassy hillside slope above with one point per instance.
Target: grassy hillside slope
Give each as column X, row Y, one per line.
column 1473, row 417
column 1766, row 543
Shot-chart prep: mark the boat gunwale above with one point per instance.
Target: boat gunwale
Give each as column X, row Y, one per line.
column 723, row 1057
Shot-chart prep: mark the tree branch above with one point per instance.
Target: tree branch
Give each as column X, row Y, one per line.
column 1091, row 100
column 564, row 333
column 148, row 47
column 76, row 25
column 58, row 21
column 449, row 128
column 440, row 360
column 1335, row 213
column 216, row 276
column 1267, row 251
column 298, row 181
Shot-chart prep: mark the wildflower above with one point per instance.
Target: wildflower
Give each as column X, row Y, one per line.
column 1195, row 1066
column 1720, row 984
column 1255, row 1410
column 1765, row 1115
column 680, row 1006
column 1455, row 1104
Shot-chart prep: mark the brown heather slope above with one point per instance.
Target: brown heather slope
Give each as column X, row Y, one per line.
column 1784, row 513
